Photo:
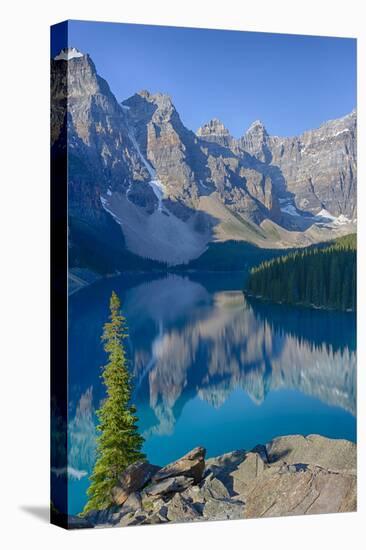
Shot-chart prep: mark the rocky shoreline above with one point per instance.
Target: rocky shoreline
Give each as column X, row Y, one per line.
column 291, row 475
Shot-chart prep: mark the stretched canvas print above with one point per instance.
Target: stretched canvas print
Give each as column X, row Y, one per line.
column 203, row 274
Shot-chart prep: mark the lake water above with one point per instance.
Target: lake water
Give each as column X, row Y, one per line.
column 210, row 368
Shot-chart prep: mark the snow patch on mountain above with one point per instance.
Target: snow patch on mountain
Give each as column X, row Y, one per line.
column 322, row 218
column 335, row 220
column 345, row 131
column 159, row 190
column 68, row 53
column 287, row 207
column 290, row 209
column 156, row 185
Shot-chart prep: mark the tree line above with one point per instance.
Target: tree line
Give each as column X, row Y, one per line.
column 323, row 277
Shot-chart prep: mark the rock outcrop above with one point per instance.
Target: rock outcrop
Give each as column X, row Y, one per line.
column 190, row 465
column 291, row 475
column 215, row 131
column 134, row 478
column 310, row 174
column 319, row 167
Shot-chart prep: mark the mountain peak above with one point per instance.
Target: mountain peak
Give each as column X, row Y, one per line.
column 257, row 126
column 161, row 100
column 213, row 127
column 144, row 93
column 68, row 53
column 158, row 96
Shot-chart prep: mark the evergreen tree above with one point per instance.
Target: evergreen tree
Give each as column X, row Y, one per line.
column 119, row 443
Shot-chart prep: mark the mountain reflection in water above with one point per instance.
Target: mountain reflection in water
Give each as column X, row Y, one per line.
column 212, row 368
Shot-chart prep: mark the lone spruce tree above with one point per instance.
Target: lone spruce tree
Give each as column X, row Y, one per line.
column 119, row 443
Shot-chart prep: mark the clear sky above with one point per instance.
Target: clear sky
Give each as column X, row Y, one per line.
column 291, row 83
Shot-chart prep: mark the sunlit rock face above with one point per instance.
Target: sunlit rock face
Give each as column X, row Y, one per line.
column 216, row 132
column 165, row 142
column 256, row 142
column 319, row 167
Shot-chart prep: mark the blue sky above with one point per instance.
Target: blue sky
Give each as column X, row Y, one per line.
column 291, row 83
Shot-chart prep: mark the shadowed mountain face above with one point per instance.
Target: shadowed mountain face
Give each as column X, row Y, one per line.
column 140, row 181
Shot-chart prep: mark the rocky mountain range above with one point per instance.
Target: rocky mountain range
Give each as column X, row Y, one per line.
column 143, row 186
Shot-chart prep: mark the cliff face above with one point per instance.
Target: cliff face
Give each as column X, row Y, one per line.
column 138, row 177
column 166, row 144
column 194, row 167
column 100, row 153
column 89, row 123
column 319, row 166
column 215, row 131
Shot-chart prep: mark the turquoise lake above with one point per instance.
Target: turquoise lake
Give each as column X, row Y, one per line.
column 210, row 368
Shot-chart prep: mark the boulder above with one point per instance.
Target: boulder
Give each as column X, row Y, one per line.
column 224, row 463
column 168, row 486
column 212, row 487
column 154, row 519
column 312, row 490
column 133, row 502
column 77, row 522
column 181, row 509
column 195, row 496
column 333, row 454
column 246, row 472
column 127, row 519
column 133, row 479
column 191, row 465
column 218, row 509
column 261, row 451
column 222, row 467
column 109, row 516
column 132, row 518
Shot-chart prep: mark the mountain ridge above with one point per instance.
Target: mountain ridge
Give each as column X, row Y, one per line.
column 168, row 192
